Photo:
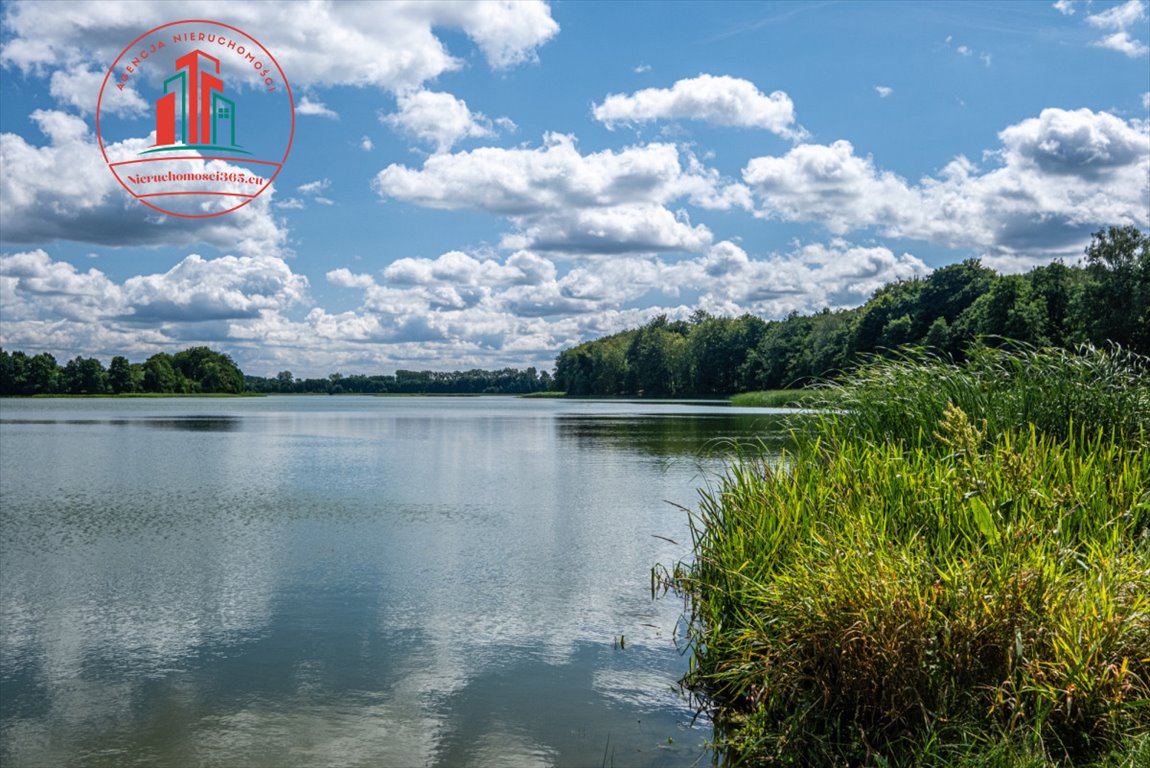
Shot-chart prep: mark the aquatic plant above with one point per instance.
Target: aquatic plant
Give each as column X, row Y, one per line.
column 1010, row 386
column 780, row 398
column 943, row 571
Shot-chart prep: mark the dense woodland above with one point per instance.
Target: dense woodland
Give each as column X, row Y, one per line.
column 197, row 370
column 1107, row 299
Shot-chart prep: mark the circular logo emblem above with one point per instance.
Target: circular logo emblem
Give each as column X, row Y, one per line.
column 195, row 118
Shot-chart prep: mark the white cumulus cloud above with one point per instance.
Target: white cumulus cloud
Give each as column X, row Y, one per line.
column 440, row 119
column 314, row 187
column 80, row 90
column 721, row 100
column 35, row 287
column 829, row 184
column 564, row 201
column 835, row 275
column 1120, row 19
column 1055, row 178
column 199, row 289
column 386, row 45
column 63, row 190
column 314, row 108
column 50, row 304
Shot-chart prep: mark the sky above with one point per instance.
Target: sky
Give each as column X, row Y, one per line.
column 485, row 184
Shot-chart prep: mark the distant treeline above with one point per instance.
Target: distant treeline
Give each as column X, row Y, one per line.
column 200, row 370
column 509, row 381
column 1105, row 300
column 197, row 370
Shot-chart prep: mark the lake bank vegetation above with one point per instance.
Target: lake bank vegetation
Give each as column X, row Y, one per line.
column 203, row 371
column 780, row 398
column 194, row 371
column 950, row 566
column 1106, row 299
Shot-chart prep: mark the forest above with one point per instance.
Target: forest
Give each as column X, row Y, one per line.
column 1105, row 299
column 197, row 370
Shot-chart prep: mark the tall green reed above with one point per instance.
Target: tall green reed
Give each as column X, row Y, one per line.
column 911, row 585
column 1009, row 386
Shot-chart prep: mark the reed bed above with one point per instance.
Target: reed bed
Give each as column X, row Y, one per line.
column 924, row 584
column 1010, row 387
column 779, row 398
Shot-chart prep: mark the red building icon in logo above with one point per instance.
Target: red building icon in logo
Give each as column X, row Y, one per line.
column 193, row 110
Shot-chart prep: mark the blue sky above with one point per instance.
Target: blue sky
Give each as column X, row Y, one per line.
column 484, row 184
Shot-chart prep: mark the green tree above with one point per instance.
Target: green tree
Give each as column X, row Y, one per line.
column 209, row 371
column 716, row 350
column 284, row 381
column 897, row 332
column 1115, row 302
column 84, row 376
column 137, row 377
column 1007, row 310
column 949, row 291
column 120, row 378
column 889, row 303
column 1056, row 287
column 777, row 359
column 656, row 359
column 608, row 366
column 573, row 370
column 214, row 378
column 12, row 372
column 160, row 376
column 828, row 344
column 938, row 335
column 42, row 375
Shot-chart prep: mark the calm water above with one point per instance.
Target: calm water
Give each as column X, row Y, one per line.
column 346, row 581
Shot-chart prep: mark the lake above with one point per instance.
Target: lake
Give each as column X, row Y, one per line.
column 348, row 581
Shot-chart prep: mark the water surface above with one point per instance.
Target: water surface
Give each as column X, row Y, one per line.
column 346, row 581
